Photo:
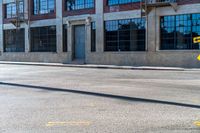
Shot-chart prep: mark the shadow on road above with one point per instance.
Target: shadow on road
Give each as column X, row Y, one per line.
column 133, row 99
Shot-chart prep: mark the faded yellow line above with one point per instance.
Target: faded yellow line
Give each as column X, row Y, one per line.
column 197, row 123
column 69, row 123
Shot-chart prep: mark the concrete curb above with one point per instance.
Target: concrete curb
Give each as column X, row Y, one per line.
column 94, row 66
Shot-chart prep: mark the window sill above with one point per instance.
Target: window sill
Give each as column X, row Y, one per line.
column 79, row 9
column 13, row 52
column 125, row 52
column 43, row 14
column 178, row 51
column 43, row 52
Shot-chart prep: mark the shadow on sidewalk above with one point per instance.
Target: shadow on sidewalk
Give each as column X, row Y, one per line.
column 133, row 99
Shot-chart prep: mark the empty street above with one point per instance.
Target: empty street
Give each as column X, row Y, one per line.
column 41, row 99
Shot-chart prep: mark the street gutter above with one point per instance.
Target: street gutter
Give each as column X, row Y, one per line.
column 97, row 66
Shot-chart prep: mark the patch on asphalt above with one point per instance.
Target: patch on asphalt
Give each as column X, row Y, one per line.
column 197, row 123
column 68, row 123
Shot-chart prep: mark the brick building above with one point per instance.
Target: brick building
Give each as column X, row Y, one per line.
column 118, row 32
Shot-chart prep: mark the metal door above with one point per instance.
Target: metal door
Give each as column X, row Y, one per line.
column 79, row 41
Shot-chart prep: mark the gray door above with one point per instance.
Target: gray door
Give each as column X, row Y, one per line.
column 79, row 41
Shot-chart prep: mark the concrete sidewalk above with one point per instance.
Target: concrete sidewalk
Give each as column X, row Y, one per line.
column 97, row 66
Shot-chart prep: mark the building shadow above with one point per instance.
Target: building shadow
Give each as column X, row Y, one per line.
column 119, row 97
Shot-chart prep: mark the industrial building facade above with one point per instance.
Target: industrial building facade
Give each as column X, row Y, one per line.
column 117, row 32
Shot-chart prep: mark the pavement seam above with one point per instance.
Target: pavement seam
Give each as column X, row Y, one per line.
column 96, row 66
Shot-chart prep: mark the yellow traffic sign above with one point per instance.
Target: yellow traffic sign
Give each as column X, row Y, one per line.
column 198, row 58
column 196, row 39
column 197, row 123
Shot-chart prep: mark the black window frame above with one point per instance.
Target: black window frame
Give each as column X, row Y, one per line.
column 43, row 39
column 131, row 36
column 65, row 38
column 16, row 38
column 78, row 6
column 13, row 9
column 93, row 36
column 177, row 32
column 37, row 7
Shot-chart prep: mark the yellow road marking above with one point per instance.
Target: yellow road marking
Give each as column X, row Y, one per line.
column 198, row 58
column 197, row 123
column 69, row 123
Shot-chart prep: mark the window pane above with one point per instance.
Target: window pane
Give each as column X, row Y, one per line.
column 11, row 9
column 43, row 39
column 43, row 6
column 78, row 4
column 93, row 37
column 14, row 40
column 125, row 35
column 65, row 40
column 177, row 32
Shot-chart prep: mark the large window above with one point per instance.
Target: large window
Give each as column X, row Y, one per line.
column 65, row 40
column 43, row 39
column 118, row 2
column 93, row 37
column 43, row 6
column 177, row 32
column 78, row 4
column 125, row 35
column 14, row 40
column 11, row 9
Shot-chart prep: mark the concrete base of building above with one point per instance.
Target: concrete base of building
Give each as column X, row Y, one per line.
column 184, row 59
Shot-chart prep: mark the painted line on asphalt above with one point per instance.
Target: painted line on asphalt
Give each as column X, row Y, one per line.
column 197, row 123
column 69, row 123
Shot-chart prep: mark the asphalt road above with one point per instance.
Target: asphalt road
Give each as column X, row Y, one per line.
column 41, row 99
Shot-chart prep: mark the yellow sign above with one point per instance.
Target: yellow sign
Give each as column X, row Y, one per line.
column 197, row 123
column 196, row 39
column 198, row 58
